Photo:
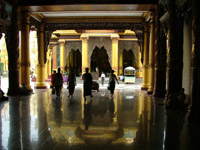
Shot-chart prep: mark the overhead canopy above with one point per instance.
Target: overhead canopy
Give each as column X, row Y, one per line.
column 129, row 68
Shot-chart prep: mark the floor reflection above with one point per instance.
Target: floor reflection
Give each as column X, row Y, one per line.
column 129, row 120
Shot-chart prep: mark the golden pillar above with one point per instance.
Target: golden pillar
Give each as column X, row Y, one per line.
column 25, row 52
column 40, row 84
column 139, row 75
column 151, row 55
column 49, row 58
column 84, row 53
column 50, row 62
column 115, row 39
column 62, row 55
column 121, row 64
column 71, row 59
column 145, row 63
column 68, row 63
column 46, row 69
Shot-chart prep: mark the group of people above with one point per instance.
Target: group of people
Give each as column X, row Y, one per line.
column 57, row 83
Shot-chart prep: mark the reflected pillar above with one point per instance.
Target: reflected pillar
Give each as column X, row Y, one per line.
column 14, row 124
column 25, row 52
column 151, row 55
column 40, row 84
column 115, row 39
column 25, row 125
column 194, row 112
column 12, row 43
column 145, row 63
column 84, row 53
column 62, row 55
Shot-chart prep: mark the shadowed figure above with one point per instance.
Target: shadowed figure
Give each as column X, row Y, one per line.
column 71, row 83
column 112, row 80
column 111, row 109
column 58, row 82
column 87, row 84
column 87, row 114
column 58, row 112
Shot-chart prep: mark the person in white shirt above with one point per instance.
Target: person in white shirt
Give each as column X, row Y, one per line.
column 102, row 78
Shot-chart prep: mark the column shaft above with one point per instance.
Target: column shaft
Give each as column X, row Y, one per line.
column 121, row 64
column 68, row 63
column 62, row 55
column 160, row 57
column 84, row 54
column 139, row 63
column 151, row 55
column 175, row 56
column 12, row 42
column 194, row 112
column 115, row 54
column 145, row 63
column 50, row 62
column 40, row 84
column 25, row 52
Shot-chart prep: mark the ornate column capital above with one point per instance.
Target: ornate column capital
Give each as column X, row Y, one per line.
column 84, row 36
column 152, row 16
column 61, row 41
column 42, row 26
column 25, row 17
column 114, row 38
column 144, row 27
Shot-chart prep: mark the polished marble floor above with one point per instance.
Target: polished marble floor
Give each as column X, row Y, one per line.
column 130, row 120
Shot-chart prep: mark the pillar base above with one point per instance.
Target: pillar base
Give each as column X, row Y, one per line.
column 150, row 92
column 174, row 101
column 29, row 87
column 159, row 93
column 40, row 85
column 193, row 117
column 13, row 91
column 144, row 88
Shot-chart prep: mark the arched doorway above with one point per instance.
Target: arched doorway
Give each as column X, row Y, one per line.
column 74, row 61
column 100, row 60
column 129, row 59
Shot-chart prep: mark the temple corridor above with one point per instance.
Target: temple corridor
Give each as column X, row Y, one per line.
column 130, row 120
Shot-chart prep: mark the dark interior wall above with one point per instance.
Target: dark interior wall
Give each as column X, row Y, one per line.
column 69, row 45
column 127, row 45
column 100, row 42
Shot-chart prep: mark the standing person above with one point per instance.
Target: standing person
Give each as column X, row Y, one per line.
column 71, row 83
column 102, row 78
column 52, row 78
column 87, row 84
column 112, row 80
column 58, row 82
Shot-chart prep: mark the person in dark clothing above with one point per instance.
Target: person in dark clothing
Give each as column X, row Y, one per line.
column 87, row 84
column 58, row 82
column 2, row 97
column 112, row 80
column 71, row 83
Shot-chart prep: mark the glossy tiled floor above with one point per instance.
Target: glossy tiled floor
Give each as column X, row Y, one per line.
column 131, row 120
